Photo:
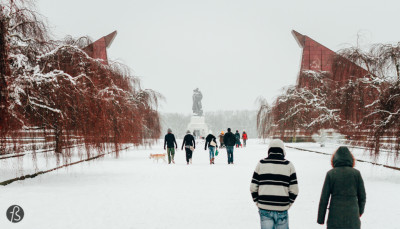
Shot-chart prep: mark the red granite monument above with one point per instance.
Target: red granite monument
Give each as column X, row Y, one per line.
column 317, row 57
column 98, row 49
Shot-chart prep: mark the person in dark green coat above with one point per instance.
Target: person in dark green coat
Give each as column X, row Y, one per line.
column 237, row 137
column 345, row 186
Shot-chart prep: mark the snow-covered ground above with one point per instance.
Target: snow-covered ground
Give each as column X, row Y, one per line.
column 135, row 192
column 386, row 157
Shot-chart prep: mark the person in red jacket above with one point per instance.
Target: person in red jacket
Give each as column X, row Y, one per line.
column 244, row 137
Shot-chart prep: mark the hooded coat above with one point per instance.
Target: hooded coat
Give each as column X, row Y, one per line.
column 345, row 187
column 274, row 184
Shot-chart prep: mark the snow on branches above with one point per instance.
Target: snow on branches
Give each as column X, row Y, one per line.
column 378, row 96
column 57, row 87
column 360, row 98
column 264, row 118
column 304, row 108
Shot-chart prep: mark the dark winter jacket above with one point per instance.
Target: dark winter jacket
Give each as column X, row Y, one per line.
column 229, row 139
column 237, row 136
column 345, row 187
column 188, row 140
column 170, row 141
column 210, row 138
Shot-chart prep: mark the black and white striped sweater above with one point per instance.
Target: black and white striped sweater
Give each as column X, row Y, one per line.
column 274, row 184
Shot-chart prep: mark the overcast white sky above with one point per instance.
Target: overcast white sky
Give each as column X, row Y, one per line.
column 233, row 50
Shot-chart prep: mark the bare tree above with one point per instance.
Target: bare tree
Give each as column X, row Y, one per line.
column 377, row 94
column 264, row 118
column 56, row 87
column 361, row 103
column 301, row 108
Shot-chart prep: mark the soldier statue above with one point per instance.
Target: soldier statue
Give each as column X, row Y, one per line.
column 197, row 108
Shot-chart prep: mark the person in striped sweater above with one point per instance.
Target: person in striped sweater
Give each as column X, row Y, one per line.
column 274, row 187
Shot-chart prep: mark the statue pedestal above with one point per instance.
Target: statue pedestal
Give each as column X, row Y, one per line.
column 198, row 126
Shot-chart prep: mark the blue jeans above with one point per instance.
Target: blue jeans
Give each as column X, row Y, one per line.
column 212, row 150
column 274, row 219
column 229, row 149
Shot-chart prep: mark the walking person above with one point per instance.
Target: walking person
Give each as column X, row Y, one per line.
column 211, row 142
column 244, row 137
column 344, row 187
column 221, row 140
column 190, row 145
column 170, row 142
column 229, row 140
column 274, row 187
column 237, row 137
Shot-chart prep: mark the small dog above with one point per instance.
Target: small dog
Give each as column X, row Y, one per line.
column 157, row 157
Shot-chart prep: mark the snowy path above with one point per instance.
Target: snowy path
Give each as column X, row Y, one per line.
column 134, row 192
column 386, row 157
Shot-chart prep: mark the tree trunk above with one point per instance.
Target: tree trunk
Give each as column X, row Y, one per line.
column 116, row 135
column 377, row 144
column 58, row 138
column 4, row 71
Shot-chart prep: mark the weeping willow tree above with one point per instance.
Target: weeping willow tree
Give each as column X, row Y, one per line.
column 4, row 71
column 54, row 87
column 360, row 98
column 377, row 93
column 300, row 108
column 264, row 118
column 23, row 37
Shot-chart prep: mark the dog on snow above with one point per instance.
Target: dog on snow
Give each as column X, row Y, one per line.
column 157, row 157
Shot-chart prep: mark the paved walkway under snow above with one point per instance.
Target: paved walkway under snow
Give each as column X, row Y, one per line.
column 135, row 192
